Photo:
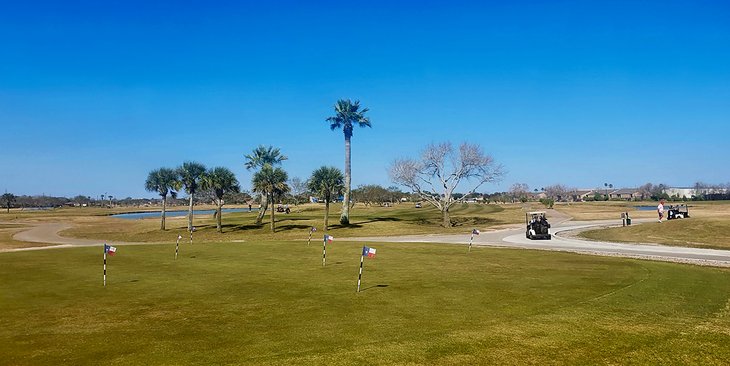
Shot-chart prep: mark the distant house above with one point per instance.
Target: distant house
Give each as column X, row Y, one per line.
column 628, row 194
column 580, row 195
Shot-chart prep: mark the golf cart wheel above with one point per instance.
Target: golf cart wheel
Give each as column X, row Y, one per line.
column 680, row 216
column 549, row 237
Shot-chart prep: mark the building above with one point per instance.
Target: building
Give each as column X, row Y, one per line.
column 627, row 194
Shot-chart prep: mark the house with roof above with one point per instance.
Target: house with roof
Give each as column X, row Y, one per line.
column 580, row 195
column 626, row 194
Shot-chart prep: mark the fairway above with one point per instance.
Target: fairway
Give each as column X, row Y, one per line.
column 274, row 303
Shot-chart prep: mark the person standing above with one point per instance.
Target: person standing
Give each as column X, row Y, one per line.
column 660, row 210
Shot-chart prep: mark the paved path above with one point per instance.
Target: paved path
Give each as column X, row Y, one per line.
column 48, row 233
column 515, row 238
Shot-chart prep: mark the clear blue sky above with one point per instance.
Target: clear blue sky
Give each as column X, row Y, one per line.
column 95, row 94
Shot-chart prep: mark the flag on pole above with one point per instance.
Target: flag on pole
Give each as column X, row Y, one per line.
column 329, row 238
column 313, row 229
column 475, row 232
column 368, row 252
column 110, row 249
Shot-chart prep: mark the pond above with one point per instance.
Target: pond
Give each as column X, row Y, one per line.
column 645, row 208
column 177, row 213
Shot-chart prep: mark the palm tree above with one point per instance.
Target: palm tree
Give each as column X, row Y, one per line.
column 347, row 115
column 271, row 182
column 221, row 181
column 163, row 181
column 261, row 156
column 190, row 174
column 9, row 199
column 328, row 182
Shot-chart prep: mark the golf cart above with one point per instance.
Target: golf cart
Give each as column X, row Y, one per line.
column 537, row 226
column 677, row 212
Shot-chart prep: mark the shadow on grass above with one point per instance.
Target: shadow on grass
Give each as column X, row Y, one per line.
column 373, row 287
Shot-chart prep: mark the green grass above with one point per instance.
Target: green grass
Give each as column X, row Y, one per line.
column 273, row 303
column 700, row 232
column 365, row 221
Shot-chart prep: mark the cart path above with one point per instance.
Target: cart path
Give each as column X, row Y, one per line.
column 48, row 233
column 515, row 238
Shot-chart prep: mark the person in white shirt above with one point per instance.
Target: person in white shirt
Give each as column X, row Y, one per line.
column 660, row 210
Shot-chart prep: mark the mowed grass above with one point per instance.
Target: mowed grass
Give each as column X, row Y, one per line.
column 699, row 232
column 273, row 303
column 608, row 210
column 403, row 219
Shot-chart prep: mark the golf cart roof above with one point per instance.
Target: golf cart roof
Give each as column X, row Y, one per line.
column 536, row 212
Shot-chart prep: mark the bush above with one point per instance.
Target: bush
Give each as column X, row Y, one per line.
column 548, row 202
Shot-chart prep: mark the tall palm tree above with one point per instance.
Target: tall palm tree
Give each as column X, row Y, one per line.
column 271, row 182
column 190, row 174
column 328, row 182
column 261, row 156
column 163, row 181
column 347, row 115
column 221, row 181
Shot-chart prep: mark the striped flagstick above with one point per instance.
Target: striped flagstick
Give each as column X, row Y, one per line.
column 324, row 250
column 359, row 276
column 475, row 231
column 177, row 245
column 104, row 264
column 370, row 252
column 313, row 229
column 191, row 234
column 111, row 250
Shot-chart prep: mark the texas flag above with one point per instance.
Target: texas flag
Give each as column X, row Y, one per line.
column 329, row 238
column 369, row 252
column 475, row 232
column 109, row 249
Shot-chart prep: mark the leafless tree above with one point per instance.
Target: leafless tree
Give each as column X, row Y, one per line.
column 519, row 191
column 558, row 192
column 439, row 171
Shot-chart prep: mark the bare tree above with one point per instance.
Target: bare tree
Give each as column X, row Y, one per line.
column 519, row 191
column 558, row 192
column 439, row 171
column 298, row 188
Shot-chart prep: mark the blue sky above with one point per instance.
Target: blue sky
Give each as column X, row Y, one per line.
column 94, row 95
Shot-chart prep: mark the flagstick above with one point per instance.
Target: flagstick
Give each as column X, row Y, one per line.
column 324, row 251
column 104, row 265
column 359, row 276
column 177, row 245
column 470, row 240
column 191, row 236
column 310, row 237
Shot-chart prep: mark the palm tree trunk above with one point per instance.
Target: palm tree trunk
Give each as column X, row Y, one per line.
column 345, row 217
column 326, row 214
column 218, row 216
column 164, row 205
column 272, row 213
column 262, row 211
column 190, row 213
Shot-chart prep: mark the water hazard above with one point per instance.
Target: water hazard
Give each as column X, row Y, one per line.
column 150, row 214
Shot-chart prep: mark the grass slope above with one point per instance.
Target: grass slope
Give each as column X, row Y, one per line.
column 365, row 221
column 700, row 232
column 273, row 303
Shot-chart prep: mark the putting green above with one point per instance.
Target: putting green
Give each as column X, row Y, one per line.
column 274, row 303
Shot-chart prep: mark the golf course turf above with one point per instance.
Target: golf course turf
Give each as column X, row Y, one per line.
column 273, row 303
